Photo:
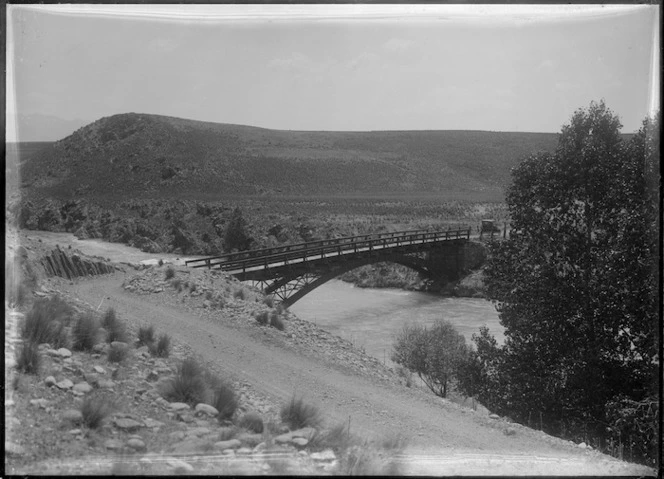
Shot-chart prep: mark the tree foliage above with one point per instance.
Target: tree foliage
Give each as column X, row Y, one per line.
column 435, row 354
column 576, row 283
column 236, row 236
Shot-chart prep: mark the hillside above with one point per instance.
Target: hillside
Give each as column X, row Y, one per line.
column 149, row 155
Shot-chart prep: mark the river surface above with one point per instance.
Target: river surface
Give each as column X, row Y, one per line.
column 370, row 318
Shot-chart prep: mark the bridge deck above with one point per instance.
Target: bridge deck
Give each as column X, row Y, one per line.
column 266, row 258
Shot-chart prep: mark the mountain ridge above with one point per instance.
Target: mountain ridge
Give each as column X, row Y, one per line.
column 134, row 153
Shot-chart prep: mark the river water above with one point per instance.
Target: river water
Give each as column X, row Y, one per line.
column 370, row 318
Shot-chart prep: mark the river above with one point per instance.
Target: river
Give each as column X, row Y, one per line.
column 370, row 318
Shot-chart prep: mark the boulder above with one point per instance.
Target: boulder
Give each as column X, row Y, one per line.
column 82, row 387
column 113, row 444
column 99, row 369
column 178, row 406
column 128, row 424
column 50, row 381
column 64, row 353
column 73, row 415
column 326, row 455
column 106, row 384
column 65, row 384
column 136, row 444
column 206, row 409
column 230, row 444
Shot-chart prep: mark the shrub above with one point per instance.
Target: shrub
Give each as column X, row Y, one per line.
column 227, row 433
column 145, row 335
column 224, row 398
column 28, row 360
column 269, row 301
column 262, row 317
column 162, row 347
column 161, row 262
column 117, row 353
column 252, row 421
column 240, row 294
column 338, row 439
column 297, row 414
column 192, row 287
column 170, row 273
column 115, row 328
column 85, row 332
column 276, row 321
column 188, row 384
column 94, row 410
column 177, row 284
column 208, row 295
column 45, row 321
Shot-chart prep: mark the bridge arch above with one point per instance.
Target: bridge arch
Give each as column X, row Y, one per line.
column 306, row 282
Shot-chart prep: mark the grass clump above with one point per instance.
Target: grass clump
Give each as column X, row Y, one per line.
column 252, row 421
column 117, row 353
column 269, row 301
column 192, row 287
column 170, row 273
column 162, row 348
column 45, row 322
column 276, row 321
column 115, row 328
column 28, row 359
column 85, row 332
column 298, row 414
column 223, row 397
column 188, row 384
column 145, row 335
column 240, row 294
column 263, row 317
column 94, row 410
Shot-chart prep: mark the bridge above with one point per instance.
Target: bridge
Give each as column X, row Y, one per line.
column 289, row 272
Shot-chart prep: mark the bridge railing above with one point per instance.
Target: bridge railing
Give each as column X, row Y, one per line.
column 303, row 252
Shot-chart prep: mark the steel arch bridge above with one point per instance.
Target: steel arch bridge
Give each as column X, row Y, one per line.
column 290, row 272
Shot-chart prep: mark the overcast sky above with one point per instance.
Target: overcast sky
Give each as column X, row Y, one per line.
column 350, row 67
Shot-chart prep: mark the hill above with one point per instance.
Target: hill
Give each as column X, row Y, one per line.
column 148, row 155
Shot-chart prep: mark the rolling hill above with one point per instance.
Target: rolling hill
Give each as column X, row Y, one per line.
column 140, row 155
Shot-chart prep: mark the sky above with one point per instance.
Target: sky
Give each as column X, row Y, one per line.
column 341, row 67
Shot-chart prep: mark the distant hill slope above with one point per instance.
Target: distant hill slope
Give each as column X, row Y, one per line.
column 137, row 154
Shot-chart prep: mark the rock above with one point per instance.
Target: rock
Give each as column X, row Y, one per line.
column 106, row 384
column 207, row 303
column 230, row 444
column 177, row 435
column 326, row 455
column 74, row 432
column 198, row 431
column 152, row 423
column 119, row 345
column 72, row 415
column 306, row 432
column 82, row 387
column 509, row 431
column 300, row 441
column 206, row 409
column 52, row 352
column 152, row 376
column 50, row 381
column 65, row 384
column 99, row 369
column 250, row 439
column 128, row 424
column 113, row 444
column 179, row 466
column 494, row 416
column 64, row 353
column 136, row 444
column 98, row 348
column 178, row 406
column 42, row 403
column 583, row 445
column 190, row 446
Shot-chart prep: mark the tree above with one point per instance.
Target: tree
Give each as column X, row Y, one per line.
column 236, row 236
column 576, row 282
column 435, row 354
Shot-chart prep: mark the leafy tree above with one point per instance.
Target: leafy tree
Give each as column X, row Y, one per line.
column 576, row 283
column 236, row 236
column 435, row 354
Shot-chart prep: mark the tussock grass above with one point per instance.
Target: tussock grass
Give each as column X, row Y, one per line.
column 208, row 295
column 188, row 384
column 192, row 287
column 28, row 358
column 117, row 354
column 115, row 327
column 276, row 321
column 251, row 421
column 228, row 433
column 176, row 283
column 162, row 348
column 95, row 409
column 45, row 321
column 169, row 273
column 223, row 397
column 269, row 301
column 262, row 317
column 146, row 335
column 298, row 414
column 85, row 332
column 240, row 294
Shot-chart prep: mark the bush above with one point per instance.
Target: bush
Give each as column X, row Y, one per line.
column 170, row 273
column 192, row 287
column 240, row 294
column 177, row 284
column 28, row 359
column 145, row 335
column 338, row 439
column 117, row 353
column 188, row 384
column 269, row 301
column 227, row 433
column 115, row 328
column 94, row 410
column 208, row 295
column 276, row 321
column 297, row 414
column 162, row 347
column 252, row 421
column 45, row 321
column 224, row 398
column 262, row 317
column 85, row 332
